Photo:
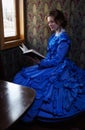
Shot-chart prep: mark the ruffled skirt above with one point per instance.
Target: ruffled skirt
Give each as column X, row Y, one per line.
column 60, row 91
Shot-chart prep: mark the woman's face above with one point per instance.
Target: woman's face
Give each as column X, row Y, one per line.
column 52, row 24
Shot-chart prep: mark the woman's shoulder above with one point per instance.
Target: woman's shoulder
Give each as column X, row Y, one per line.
column 64, row 37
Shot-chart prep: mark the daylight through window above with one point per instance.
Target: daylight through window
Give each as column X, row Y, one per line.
column 9, row 18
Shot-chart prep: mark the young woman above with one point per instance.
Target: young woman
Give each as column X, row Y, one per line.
column 59, row 83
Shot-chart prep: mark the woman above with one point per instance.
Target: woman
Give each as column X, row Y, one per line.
column 59, row 83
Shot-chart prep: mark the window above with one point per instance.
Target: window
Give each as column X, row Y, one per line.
column 9, row 18
column 11, row 23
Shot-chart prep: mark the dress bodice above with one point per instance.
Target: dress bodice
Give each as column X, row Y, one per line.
column 58, row 47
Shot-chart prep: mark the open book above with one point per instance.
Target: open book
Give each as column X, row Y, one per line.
column 31, row 52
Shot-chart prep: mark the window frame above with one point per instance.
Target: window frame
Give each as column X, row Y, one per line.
column 10, row 42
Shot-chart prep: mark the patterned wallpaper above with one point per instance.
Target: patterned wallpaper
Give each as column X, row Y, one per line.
column 37, row 32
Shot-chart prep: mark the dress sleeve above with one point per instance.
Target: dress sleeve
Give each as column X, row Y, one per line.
column 61, row 53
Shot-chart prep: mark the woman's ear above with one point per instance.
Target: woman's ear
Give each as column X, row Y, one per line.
column 59, row 22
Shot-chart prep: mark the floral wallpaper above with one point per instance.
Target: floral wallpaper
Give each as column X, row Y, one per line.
column 37, row 32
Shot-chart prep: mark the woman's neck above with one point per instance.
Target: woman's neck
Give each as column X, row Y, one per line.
column 58, row 31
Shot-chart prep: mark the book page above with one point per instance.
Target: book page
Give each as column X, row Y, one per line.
column 23, row 48
column 31, row 52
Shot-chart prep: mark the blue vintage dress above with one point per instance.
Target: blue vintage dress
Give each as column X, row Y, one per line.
column 59, row 83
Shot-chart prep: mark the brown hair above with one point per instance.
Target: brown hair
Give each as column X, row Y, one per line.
column 58, row 16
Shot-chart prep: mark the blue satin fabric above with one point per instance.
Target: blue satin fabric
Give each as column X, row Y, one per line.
column 59, row 83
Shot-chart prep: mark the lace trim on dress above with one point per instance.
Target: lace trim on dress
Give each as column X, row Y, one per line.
column 58, row 33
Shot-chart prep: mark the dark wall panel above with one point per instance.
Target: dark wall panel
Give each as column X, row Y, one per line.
column 12, row 61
